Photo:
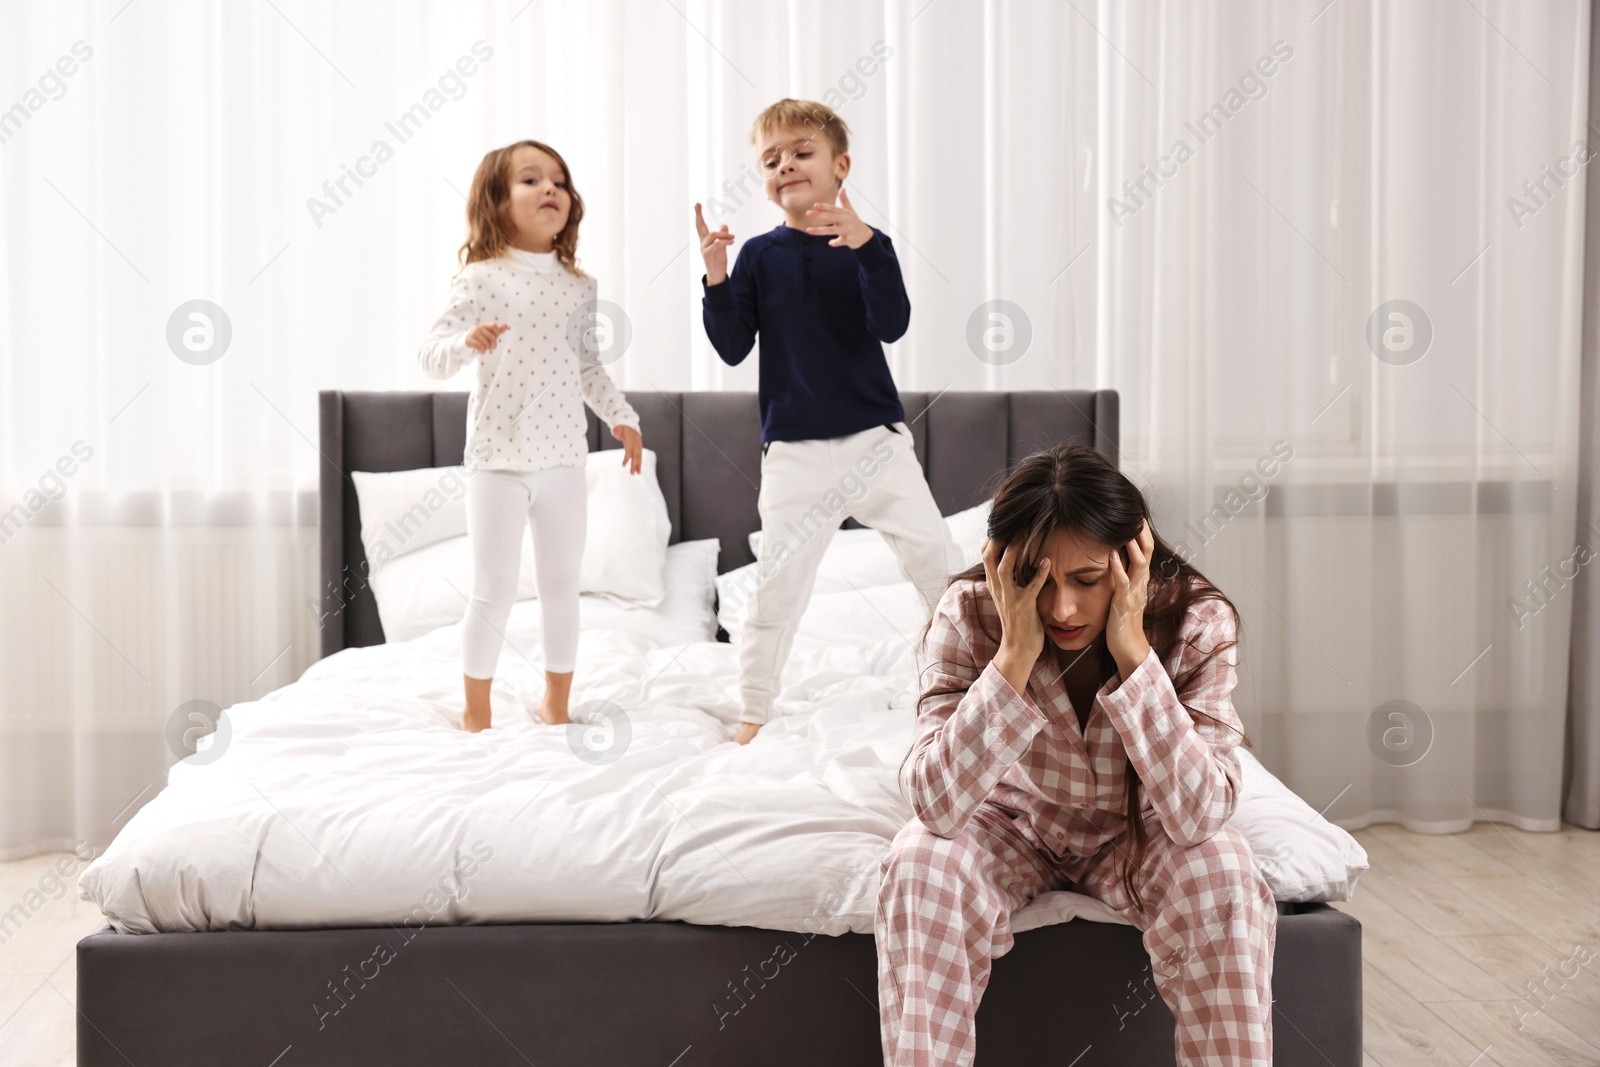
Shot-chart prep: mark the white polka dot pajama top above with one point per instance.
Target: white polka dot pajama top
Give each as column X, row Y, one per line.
column 527, row 402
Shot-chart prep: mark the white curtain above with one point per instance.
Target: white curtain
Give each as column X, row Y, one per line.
column 1397, row 665
column 153, row 154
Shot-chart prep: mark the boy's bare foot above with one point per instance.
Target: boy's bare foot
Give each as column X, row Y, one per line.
column 747, row 732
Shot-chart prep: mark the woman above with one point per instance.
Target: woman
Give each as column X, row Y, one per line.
column 1066, row 690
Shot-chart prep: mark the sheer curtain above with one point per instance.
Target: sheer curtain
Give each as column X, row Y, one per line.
column 1347, row 335
column 300, row 169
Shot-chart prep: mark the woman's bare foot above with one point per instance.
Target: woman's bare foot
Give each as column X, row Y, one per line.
column 553, row 705
column 477, row 715
column 747, row 732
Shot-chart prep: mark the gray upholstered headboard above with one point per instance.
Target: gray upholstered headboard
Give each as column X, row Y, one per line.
column 708, row 452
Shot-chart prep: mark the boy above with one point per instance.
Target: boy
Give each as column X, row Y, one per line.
column 824, row 291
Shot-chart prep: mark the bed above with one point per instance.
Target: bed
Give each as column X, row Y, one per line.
column 677, row 989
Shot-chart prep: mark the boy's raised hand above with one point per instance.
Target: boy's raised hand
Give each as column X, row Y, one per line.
column 483, row 336
column 841, row 222
column 713, row 248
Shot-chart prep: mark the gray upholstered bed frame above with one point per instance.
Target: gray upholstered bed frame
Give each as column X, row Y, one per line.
column 708, row 461
column 658, row 994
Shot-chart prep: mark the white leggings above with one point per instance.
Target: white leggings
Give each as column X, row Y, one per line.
column 500, row 504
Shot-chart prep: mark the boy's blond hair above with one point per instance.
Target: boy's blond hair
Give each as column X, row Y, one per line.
column 803, row 115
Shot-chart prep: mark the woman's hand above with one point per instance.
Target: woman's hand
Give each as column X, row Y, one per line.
column 1021, row 632
column 1130, row 586
column 632, row 446
column 483, row 336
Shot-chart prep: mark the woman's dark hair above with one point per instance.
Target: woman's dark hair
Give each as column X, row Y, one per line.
column 1074, row 488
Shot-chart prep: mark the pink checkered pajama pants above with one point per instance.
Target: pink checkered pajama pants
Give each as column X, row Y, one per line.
column 943, row 915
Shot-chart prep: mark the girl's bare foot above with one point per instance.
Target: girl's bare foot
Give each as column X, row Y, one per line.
column 550, row 714
column 747, row 732
column 553, row 705
column 476, row 716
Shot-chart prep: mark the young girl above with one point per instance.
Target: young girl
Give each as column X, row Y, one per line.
column 520, row 307
column 1078, row 730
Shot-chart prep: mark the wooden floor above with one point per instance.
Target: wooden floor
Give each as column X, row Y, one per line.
column 1473, row 947
column 1480, row 948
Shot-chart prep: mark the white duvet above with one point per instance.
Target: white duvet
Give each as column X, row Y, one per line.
column 350, row 797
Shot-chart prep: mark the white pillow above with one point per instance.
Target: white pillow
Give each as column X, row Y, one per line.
column 689, row 610
column 969, row 528
column 404, row 511
column 855, row 618
column 1301, row 855
column 686, row 612
column 425, row 590
column 429, row 588
column 733, row 591
column 625, row 545
column 858, row 558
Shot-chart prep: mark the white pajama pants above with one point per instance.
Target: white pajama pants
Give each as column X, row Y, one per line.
column 807, row 489
column 500, row 505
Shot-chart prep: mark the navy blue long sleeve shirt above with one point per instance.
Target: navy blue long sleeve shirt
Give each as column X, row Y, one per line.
column 823, row 314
